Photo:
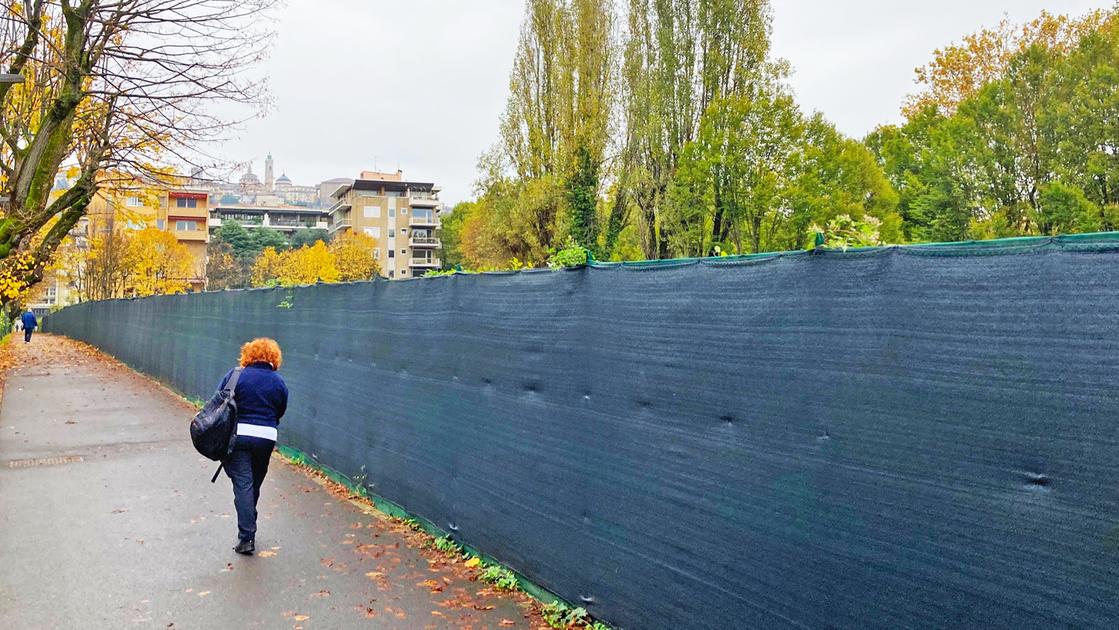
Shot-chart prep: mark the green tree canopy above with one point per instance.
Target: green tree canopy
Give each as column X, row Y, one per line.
column 308, row 237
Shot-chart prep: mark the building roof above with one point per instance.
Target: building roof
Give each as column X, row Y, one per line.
column 398, row 176
column 378, row 184
column 283, row 178
column 240, row 207
column 187, row 193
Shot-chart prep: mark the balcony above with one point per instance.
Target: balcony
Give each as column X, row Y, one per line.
column 341, row 225
column 423, row 220
column 192, row 235
column 426, row 242
column 244, row 219
column 289, row 223
column 425, row 263
column 424, row 202
column 340, row 206
column 201, row 212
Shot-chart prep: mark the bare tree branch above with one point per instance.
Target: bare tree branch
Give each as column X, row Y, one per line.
column 117, row 90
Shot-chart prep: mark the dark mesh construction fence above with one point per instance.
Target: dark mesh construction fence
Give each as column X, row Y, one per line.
column 916, row 437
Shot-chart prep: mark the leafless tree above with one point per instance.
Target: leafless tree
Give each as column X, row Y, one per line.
column 114, row 92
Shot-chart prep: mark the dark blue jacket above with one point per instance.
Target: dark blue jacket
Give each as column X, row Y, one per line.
column 261, row 395
column 29, row 321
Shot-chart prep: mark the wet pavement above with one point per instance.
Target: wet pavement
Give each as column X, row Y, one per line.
column 108, row 520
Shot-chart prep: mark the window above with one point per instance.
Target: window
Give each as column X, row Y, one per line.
column 376, row 252
column 391, row 272
column 185, row 226
column 186, row 203
column 392, row 213
column 404, row 211
column 160, row 223
column 392, row 253
column 375, row 232
column 392, row 233
column 403, row 230
column 403, row 251
column 403, row 272
column 372, row 212
column 133, row 202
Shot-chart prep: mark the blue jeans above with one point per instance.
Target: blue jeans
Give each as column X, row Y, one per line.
column 246, row 467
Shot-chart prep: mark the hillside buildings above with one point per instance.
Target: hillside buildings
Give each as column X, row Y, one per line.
column 251, row 190
column 402, row 215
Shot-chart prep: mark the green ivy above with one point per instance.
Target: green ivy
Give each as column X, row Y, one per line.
column 436, row 273
column 447, row 546
column 503, row 579
column 559, row 615
column 568, row 257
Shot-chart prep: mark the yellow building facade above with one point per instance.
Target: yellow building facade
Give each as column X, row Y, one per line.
column 182, row 211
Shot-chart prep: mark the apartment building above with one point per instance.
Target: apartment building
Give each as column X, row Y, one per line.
column 53, row 292
column 402, row 215
column 183, row 211
column 287, row 219
column 186, row 213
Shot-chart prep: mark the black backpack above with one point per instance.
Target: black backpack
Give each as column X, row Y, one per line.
column 214, row 426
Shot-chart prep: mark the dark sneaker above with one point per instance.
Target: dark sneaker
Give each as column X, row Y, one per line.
column 245, row 547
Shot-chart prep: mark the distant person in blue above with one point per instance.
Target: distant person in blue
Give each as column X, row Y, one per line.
column 29, row 325
column 262, row 398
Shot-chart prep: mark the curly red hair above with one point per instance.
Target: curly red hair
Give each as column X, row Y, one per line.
column 262, row 350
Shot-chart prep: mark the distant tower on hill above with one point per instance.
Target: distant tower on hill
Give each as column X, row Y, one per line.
column 269, row 182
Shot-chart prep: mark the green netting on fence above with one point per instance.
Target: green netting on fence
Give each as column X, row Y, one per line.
column 920, row 436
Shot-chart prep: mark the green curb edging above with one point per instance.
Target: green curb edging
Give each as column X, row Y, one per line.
column 385, row 506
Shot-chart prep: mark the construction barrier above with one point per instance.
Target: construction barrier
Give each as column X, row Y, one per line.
column 921, row 436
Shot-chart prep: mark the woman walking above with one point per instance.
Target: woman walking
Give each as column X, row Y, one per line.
column 262, row 398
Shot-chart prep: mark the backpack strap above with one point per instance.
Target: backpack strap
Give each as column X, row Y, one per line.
column 231, row 386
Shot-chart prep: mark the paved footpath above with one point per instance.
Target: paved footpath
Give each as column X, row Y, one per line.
column 108, row 520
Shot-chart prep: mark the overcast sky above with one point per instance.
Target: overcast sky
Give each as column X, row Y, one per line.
column 420, row 85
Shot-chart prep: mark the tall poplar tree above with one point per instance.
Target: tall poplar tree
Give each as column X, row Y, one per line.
column 541, row 184
column 681, row 56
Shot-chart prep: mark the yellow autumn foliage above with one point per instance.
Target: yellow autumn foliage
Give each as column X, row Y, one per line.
column 354, row 256
column 14, row 273
column 306, row 265
column 267, row 267
column 160, row 264
column 958, row 71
